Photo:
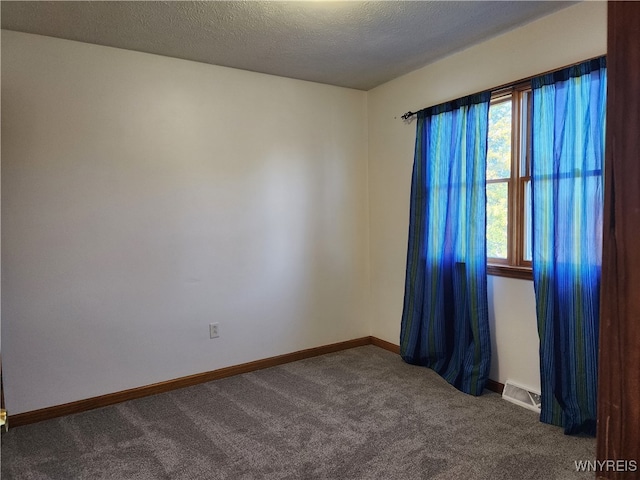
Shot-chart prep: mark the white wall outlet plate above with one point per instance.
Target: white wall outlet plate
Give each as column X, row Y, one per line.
column 213, row 330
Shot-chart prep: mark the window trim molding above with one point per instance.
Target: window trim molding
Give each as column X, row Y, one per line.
column 510, row 271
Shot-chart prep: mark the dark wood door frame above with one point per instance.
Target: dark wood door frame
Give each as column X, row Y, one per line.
column 618, row 437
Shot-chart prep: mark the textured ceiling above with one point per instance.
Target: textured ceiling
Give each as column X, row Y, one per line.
column 351, row 44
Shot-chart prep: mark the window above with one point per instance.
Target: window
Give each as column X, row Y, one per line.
column 509, row 183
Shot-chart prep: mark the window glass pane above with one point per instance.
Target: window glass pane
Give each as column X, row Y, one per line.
column 527, row 222
column 497, row 219
column 499, row 142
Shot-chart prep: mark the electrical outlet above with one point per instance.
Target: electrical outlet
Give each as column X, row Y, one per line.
column 213, row 330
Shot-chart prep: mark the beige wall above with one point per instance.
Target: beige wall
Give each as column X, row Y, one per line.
column 569, row 36
column 144, row 197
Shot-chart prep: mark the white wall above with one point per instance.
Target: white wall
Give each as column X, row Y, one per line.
column 145, row 197
column 571, row 35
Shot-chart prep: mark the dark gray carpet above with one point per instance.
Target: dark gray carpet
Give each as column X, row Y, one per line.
column 357, row 414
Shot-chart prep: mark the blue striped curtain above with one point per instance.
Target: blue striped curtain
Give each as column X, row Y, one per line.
column 445, row 316
column 567, row 189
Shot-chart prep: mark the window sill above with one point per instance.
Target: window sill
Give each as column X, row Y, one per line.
column 522, row 273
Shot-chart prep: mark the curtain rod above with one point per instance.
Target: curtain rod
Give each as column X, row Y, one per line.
column 505, row 86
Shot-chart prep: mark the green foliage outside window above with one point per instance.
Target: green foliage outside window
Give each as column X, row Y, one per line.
column 498, row 167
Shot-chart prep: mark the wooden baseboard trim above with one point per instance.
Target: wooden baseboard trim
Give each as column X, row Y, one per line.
column 392, row 347
column 144, row 391
column 495, row 386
